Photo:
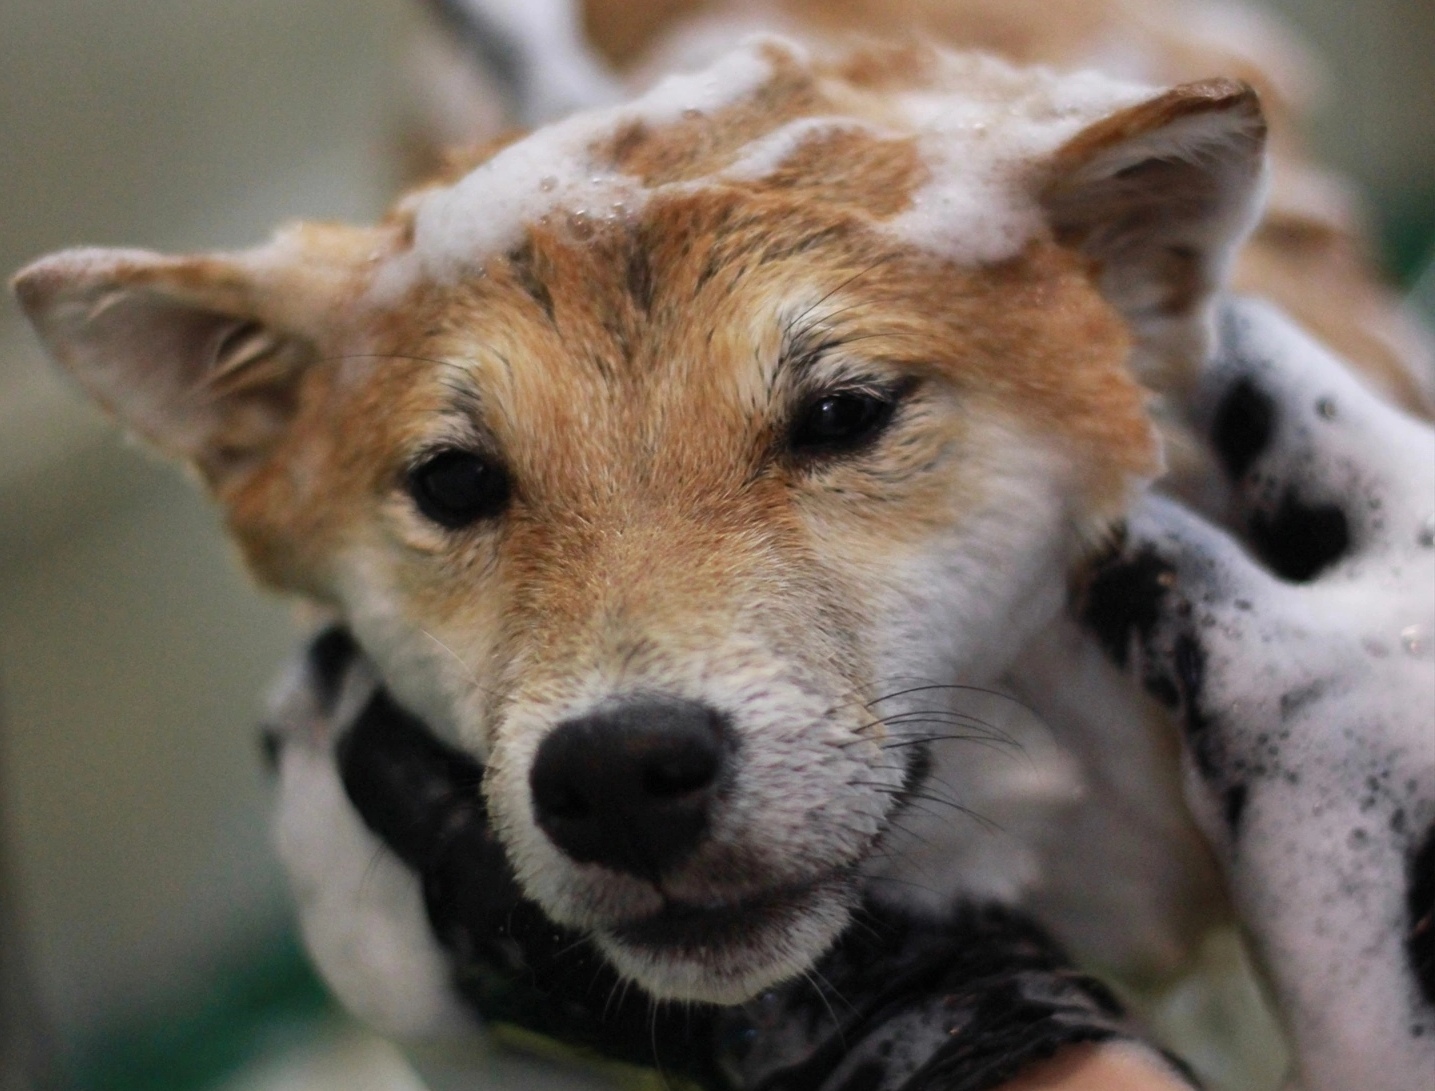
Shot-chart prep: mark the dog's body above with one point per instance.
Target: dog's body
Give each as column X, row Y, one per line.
column 686, row 459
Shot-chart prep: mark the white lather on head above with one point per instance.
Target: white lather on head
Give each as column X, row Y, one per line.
column 983, row 127
column 486, row 212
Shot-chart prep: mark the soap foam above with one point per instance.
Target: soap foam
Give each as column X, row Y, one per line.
column 980, row 133
column 485, row 213
column 981, row 126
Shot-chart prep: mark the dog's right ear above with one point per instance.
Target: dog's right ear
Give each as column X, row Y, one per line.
column 200, row 355
column 1158, row 197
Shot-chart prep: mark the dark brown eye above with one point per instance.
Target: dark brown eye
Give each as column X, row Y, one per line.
column 840, row 422
column 457, row 488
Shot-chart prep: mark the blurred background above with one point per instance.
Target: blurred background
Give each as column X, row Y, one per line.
column 145, row 940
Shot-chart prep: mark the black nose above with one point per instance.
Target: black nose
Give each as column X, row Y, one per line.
column 631, row 786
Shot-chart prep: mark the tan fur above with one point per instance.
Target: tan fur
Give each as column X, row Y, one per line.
column 1311, row 251
column 1053, row 362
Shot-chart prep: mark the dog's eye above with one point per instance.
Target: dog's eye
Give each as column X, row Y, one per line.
column 456, row 488
column 842, row 421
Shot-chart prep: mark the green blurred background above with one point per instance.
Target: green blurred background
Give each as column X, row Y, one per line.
column 145, row 941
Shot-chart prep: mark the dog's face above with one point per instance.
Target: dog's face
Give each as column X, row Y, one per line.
column 670, row 457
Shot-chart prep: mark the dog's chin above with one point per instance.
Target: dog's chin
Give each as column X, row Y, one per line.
column 729, row 953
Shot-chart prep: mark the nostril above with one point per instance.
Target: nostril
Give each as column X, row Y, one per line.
column 681, row 775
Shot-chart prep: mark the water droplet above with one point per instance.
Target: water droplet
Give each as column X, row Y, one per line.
column 1414, row 639
column 691, row 112
column 1426, row 536
column 580, row 224
column 548, row 183
column 1325, row 408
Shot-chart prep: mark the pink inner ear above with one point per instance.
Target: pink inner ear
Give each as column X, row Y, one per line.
column 200, row 353
column 145, row 357
column 203, row 384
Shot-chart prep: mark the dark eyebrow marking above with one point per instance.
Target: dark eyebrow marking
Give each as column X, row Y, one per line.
column 640, row 277
column 464, row 398
column 465, row 403
column 523, row 262
column 803, row 244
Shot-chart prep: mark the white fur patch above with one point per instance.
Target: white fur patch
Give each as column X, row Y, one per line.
column 958, row 613
column 423, row 673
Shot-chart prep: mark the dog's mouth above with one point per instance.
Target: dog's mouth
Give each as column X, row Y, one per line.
column 727, row 952
column 685, row 927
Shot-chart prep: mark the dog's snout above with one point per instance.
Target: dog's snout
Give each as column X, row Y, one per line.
column 630, row 787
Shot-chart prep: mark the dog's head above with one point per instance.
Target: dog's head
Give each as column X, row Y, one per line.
column 671, row 454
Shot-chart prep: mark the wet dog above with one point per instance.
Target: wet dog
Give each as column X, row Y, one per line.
column 691, row 460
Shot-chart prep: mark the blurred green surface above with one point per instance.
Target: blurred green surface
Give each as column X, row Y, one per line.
column 262, row 1002
column 1406, row 228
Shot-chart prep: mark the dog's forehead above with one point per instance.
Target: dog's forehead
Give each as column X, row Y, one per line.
column 943, row 149
column 888, row 186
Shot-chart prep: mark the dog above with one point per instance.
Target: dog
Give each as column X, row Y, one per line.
column 408, row 903
column 684, row 460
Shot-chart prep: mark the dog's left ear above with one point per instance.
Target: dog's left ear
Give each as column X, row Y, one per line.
column 201, row 355
column 1159, row 196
